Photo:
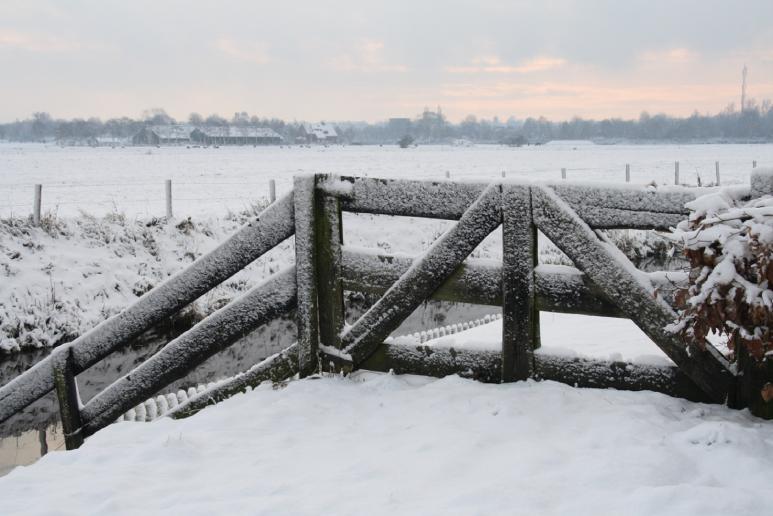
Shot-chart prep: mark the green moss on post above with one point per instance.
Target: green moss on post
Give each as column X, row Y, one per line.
column 330, row 294
column 67, row 395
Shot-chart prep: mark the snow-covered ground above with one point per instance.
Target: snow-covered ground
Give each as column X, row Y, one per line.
column 212, row 181
column 383, row 444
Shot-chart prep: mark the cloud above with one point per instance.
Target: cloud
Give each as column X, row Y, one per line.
column 254, row 53
column 492, row 64
column 671, row 56
column 32, row 42
column 368, row 56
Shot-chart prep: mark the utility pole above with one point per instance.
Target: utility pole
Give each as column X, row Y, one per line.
column 743, row 88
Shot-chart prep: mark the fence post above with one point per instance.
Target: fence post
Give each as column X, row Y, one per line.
column 716, row 168
column 271, row 191
column 448, row 174
column 37, row 204
column 761, row 182
column 169, row 199
column 329, row 239
column 520, row 316
column 503, row 173
column 307, row 311
column 67, row 395
column 563, row 173
column 627, row 173
column 754, row 163
column 676, row 172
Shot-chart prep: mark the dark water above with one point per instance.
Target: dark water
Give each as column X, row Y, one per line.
column 35, row 431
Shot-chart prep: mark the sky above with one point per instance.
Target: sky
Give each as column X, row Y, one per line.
column 372, row 60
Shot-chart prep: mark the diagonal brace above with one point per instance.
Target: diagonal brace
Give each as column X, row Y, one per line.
column 621, row 282
column 419, row 282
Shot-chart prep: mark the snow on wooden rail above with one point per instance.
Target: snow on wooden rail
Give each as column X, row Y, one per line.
column 604, row 283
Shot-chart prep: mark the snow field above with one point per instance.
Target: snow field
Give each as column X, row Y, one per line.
column 207, row 182
column 385, row 444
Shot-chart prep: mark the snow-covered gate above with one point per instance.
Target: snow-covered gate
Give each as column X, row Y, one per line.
column 604, row 283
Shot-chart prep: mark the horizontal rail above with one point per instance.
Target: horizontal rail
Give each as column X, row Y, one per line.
column 485, row 366
column 269, row 299
column 559, row 288
column 602, row 206
column 272, row 226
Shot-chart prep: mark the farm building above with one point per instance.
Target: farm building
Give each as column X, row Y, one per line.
column 163, row 135
column 235, row 136
column 108, row 141
column 319, row 133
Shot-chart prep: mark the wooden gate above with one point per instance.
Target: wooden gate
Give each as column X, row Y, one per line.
column 603, row 282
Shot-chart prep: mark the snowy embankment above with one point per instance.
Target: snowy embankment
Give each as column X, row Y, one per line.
column 61, row 279
column 383, row 444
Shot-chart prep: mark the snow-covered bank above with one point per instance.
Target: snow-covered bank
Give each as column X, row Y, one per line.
column 63, row 278
column 382, row 444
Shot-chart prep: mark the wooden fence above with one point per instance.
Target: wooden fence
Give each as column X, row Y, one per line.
column 603, row 283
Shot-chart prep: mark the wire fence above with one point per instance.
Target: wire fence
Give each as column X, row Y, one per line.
column 36, row 198
column 189, row 196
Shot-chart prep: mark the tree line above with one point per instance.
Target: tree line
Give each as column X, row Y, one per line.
column 753, row 123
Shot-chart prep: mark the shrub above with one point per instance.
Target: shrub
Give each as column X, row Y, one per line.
column 729, row 244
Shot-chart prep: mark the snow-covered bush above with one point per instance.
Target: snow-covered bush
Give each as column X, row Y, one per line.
column 729, row 244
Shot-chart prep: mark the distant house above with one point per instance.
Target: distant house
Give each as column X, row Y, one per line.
column 319, row 133
column 163, row 135
column 108, row 141
column 235, row 136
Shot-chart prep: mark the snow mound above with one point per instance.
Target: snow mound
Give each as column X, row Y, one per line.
column 385, row 444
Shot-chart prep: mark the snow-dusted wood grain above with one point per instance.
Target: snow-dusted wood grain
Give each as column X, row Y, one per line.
column 601, row 206
column 262, row 303
column 424, row 276
column 627, row 206
column 330, row 293
column 520, row 324
column 600, row 374
column 485, row 366
column 432, row 199
column 69, row 401
column 629, row 289
column 270, row 227
column 306, row 274
column 438, row 362
column 373, row 271
column 559, row 288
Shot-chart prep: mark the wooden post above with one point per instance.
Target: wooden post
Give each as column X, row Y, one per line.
column 716, row 168
column 271, row 191
column 169, row 199
column 563, row 173
column 37, row 204
column 503, row 173
column 676, row 172
column 448, row 174
column 67, row 395
column 754, row 163
column 627, row 173
column 330, row 293
column 307, row 313
column 761, row 182
column 520, row 325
